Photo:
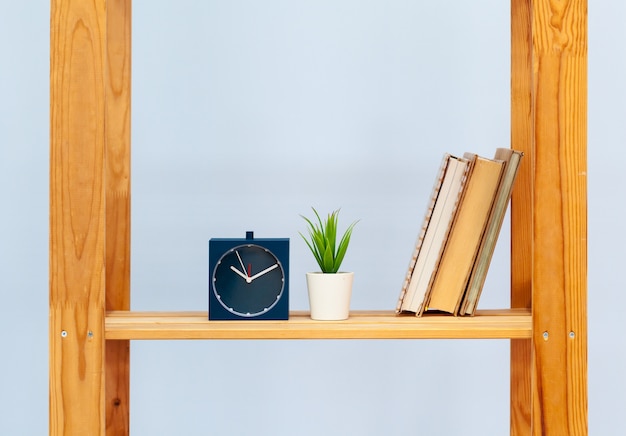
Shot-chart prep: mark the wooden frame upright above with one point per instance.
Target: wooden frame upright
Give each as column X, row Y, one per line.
column 90, row 319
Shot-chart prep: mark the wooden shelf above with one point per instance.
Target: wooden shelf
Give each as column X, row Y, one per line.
column 90, row 100
column 487, row 324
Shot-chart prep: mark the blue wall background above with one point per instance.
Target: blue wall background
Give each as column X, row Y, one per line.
column 246, row 114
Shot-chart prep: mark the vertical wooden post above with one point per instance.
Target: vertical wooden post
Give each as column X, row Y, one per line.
column 556, row 217
column 521, row 208
column 77, row 217
column 89, row 214
column 560, row 218
column 117, row 189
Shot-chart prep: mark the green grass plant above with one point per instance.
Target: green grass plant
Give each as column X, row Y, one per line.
column 322, row 241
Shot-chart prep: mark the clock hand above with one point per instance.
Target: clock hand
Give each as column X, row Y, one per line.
column 265, row 271
column 242, row 275
column 243, row 268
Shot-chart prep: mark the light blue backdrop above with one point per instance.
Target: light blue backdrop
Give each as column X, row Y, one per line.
column 246, row 114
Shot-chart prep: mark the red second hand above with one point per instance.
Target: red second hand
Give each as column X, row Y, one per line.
column 249, row 270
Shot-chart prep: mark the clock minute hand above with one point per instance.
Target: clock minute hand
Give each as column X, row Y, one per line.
column 265, row 271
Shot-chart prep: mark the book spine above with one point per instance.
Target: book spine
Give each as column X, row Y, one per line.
column 420, row 238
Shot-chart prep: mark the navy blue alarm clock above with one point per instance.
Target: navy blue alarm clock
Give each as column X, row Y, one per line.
column 249, row 278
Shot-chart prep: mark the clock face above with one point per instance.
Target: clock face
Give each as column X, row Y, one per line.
column 248, row 280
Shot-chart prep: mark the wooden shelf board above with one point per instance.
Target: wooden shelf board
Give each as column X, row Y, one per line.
column 487, row 324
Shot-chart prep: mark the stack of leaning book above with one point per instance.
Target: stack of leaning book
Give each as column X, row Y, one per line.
column 460, row 229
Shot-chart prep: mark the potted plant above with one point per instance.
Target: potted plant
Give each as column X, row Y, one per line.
column 329, row 290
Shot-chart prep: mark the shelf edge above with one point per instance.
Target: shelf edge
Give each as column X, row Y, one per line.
column 487, row 324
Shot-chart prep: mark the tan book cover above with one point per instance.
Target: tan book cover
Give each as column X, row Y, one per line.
column 457, row 260
column 512, row 160
column 436, row 225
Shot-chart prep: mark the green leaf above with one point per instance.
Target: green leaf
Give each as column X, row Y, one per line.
column 343, row 247
column 331, row 231
column 328, row 260
column 313, row 249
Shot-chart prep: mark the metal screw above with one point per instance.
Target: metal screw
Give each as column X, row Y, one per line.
column 63, row 334
column 572, row 335
column 90, row 334
column 545, row 336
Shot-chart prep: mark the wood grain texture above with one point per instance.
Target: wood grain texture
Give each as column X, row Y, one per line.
column 495, row 324
column 521, row 209
column 117, row 183
column 77, row 221
column 559, row 274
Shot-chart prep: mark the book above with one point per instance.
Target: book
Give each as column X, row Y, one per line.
column 437, row 222
column 512, row 160
column 420, row 237
column 464, row 239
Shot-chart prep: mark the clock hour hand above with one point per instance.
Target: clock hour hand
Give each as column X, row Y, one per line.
column 242, row 275
column 265, row 271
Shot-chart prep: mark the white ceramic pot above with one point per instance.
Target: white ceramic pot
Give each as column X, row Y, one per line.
column 329, row 295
